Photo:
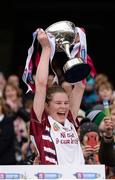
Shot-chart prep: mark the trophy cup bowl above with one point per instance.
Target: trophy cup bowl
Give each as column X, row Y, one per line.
column 75, row 69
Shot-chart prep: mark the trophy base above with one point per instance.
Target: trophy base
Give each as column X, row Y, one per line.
column 76, row 72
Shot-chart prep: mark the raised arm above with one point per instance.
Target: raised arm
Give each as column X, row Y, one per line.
column 75, row 96
column 41, row 75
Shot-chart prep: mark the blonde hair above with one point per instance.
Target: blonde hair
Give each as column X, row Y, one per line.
column 14, row 87
column 3, row 105
column 104, row 85
column 112, row 107
column 101, row 78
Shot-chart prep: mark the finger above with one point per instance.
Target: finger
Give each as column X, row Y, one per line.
column 89, row 149
column 88, row 146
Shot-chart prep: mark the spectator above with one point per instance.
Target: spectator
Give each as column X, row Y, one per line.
column 14, row 79
column 112, row 111
column 21, row 134
column 2, row 83
column 13, row 98
column 7, row 136
column 90, row 140
column 107, row 148
column 96, row 116
column 100, row 78
column 90, row 97
column 104, row 91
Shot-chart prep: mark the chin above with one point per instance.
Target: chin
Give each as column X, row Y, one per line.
column 61, row 120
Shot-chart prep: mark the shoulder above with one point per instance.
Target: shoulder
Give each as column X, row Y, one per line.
column 35, row 120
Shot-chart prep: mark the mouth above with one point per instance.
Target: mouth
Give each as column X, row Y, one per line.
column 61, row 114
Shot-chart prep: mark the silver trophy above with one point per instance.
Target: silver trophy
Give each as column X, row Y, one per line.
column 75, row 69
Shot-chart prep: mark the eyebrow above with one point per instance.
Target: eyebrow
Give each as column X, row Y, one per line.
column 61, row 101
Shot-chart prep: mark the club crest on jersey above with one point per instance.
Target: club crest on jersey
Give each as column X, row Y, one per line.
column 55, row 126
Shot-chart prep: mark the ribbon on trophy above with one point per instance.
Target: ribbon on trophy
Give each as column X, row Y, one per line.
column 78, row 47
column 27, row 75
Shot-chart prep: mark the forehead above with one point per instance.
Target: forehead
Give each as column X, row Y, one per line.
column 60, row 96
column 13, row 77
column 105, row 87
column 10, row 87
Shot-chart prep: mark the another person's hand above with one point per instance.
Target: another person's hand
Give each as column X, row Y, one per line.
column 91, row 154
column 87, row 150
column 96, row 148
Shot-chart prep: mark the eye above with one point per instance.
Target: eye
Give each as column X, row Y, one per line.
column 58, row 102
column 66, row 103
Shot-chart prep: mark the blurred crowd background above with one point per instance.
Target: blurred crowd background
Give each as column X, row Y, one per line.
column 96, row 117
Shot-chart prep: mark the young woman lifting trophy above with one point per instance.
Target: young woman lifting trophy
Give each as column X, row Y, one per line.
column 54, row 111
